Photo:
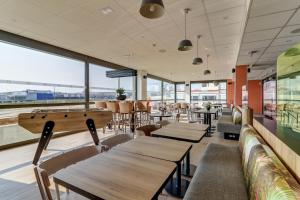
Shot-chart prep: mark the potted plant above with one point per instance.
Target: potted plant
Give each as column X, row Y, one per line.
column 208, row 106
column 121, row 94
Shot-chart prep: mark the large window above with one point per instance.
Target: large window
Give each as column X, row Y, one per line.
column 154, row 90
column 101, row 87
column 214, row 92
column 29, row 76
column 34, row 77
column 180, row 92
column 168, row 92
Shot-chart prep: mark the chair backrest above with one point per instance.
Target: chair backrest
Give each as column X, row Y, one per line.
column 142, row 105
column 126, row 106
column 113, row 106
column 184, row 105
column 146, row 130
column 177, row 105
column 49, row 167
column 100, row 104
column 115, row 140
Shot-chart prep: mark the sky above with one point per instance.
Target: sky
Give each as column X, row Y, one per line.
column 23, row 64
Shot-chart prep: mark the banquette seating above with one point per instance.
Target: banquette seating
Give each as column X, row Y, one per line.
column 230, row 125
column 250, row 170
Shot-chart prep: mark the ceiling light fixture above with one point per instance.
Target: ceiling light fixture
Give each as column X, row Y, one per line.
column 197, row 60
column 296, row 31
column 207, row 71
column 185, row 44
column 152, row 9
column 106, row 10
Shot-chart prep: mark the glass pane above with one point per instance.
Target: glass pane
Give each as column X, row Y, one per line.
column 34, row 77
column 128, row 84
column 101, row 87
column 214, row 92
column 169, row 92
column 29, row 76
column 180, row 92
column 154, row 89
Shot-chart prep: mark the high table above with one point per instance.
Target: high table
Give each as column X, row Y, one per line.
column 117, row 175
column 170, row 150
column 188, row 126
column 207, row 116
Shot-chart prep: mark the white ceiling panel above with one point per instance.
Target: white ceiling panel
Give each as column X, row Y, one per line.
column 296, row 18
column 256, row 45
column 261, row 35
column 286, row 32
column 217, row 5
column 267, row 21
column 226, row 17
column 264, row 7
column 284, row 41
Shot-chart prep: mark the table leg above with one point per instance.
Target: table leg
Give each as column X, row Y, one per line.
column 132, row 123
column 179, row 188
column 187, row 160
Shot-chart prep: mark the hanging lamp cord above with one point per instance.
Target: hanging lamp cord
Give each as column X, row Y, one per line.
column 185, row 24
column 197, row 47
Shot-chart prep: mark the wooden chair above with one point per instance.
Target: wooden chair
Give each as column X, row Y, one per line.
column 146, row 130
column 184, row 107
column 113, row 106
column 126, row 113
column 101, row 105
column 46, row 169
column 144, row 109
column 114, row 141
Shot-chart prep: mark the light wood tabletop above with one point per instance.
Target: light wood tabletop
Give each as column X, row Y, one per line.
column 161, row 148
column 187, row 135
column 117, row 175
column 192, row 126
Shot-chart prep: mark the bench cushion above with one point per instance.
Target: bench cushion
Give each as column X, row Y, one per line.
column 219, row 175
column 266, row 180
column 225, row 125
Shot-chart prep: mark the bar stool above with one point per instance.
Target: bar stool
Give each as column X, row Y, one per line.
column 100, row 104
column 184, row 107
column 127, row 114
column 142, row 107
column 113, row 106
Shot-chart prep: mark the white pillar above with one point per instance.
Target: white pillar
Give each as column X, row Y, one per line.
column 142, row 84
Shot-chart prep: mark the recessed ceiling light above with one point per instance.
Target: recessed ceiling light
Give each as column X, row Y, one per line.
column 106, row 10
column 162, row 51
column 296, row 31
column 289, row 41
column 225, row 18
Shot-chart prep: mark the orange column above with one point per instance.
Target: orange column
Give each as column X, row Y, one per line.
column 255, row 95
column 230, row 92
column 240, row 80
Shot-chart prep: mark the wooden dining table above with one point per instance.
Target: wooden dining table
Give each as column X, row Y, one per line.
column 117, row 175
column 188, row 126
column 165, row 149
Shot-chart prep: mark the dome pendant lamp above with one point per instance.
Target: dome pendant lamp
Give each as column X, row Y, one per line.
column 152, row 9
column 185, row 44
column 207, row 71
column 197, row 60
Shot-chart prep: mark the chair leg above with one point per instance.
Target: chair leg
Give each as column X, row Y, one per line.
column 57, row 191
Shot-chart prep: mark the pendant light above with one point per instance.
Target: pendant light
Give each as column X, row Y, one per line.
column 207, row 71
column 216, row 83
column 185, row 44
column 197, row 60
column 152, row 9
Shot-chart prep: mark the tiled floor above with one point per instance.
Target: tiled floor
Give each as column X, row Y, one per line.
column 17, row 180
